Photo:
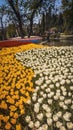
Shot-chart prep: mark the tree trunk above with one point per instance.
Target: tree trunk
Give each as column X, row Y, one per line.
column 18, row 16
column 43, row 23
column 32, row 16
column 31, row 27
column 3, row 34
column 21, row 28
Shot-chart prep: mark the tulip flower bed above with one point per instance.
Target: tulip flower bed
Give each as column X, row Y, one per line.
column 6, row 51
column 51, row 104
column 16, row 87
column 36, row 88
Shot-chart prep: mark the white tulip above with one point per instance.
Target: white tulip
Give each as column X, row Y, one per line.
column 46, row 107
column 58, row 90
column 44, row 95
column 62, row 88
column 37, row 124
column 41, row 93
column 34, row 98
column 71, row 88
column 40, row 116
column 65, row 107
column 58, row 94
column 37, row 88
column 55, row 97
column 62, row 98
column 29, row 102
column 67, row 81
column 71, row 106
column 45, row 85
column 28, row 119
column 46, row 77
column 48, row 114
column 48, row 81
column 55, row 117
column 69, row 94
column 48, row 90
column 44, row 127
column 51, row 86
column 59, row 114
column 40, row 128
column 56, row 78
column 41, row 74
column 49, row 101
column 62, row 128
column 64, row 93
column 40, row 100
column 67, row 101
column 36, row 107
column 31, row 124
column 67, row 116
column 72, row 80
column 35, row 94
column 49, row 95
column 42, row 87
column 58, row 124
column 49, row 121
column 61, row 104
column 57, row 84
column 69, row 125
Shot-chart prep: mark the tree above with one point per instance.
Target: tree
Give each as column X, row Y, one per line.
column 25, row 10
column 12, row 20
column 67, row 6
column 60, row 22
column 11, row 31
column 43, row 23
column 46, row 12
column 31, row 7
column 2, row 14
column 14, row 4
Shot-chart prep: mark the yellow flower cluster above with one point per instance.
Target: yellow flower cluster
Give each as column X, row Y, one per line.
column 19, row 48
column 15, row 88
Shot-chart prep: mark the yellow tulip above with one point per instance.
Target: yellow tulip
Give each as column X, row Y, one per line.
column 12, row 108
column 22, row 111
column 15, row 115
column 3, row 105
column 5, row 118
column 7, row 126
column 18, row 127
column 11, row 113
column 13, row 121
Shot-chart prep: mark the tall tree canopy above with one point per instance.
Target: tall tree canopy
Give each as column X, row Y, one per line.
column 67, row 6
column 26, row 9
column 16, row 8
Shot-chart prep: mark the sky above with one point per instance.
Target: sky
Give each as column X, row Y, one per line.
column 2, row 2
column 58, row 2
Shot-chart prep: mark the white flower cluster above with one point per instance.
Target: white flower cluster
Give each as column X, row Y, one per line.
column 52, row 100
